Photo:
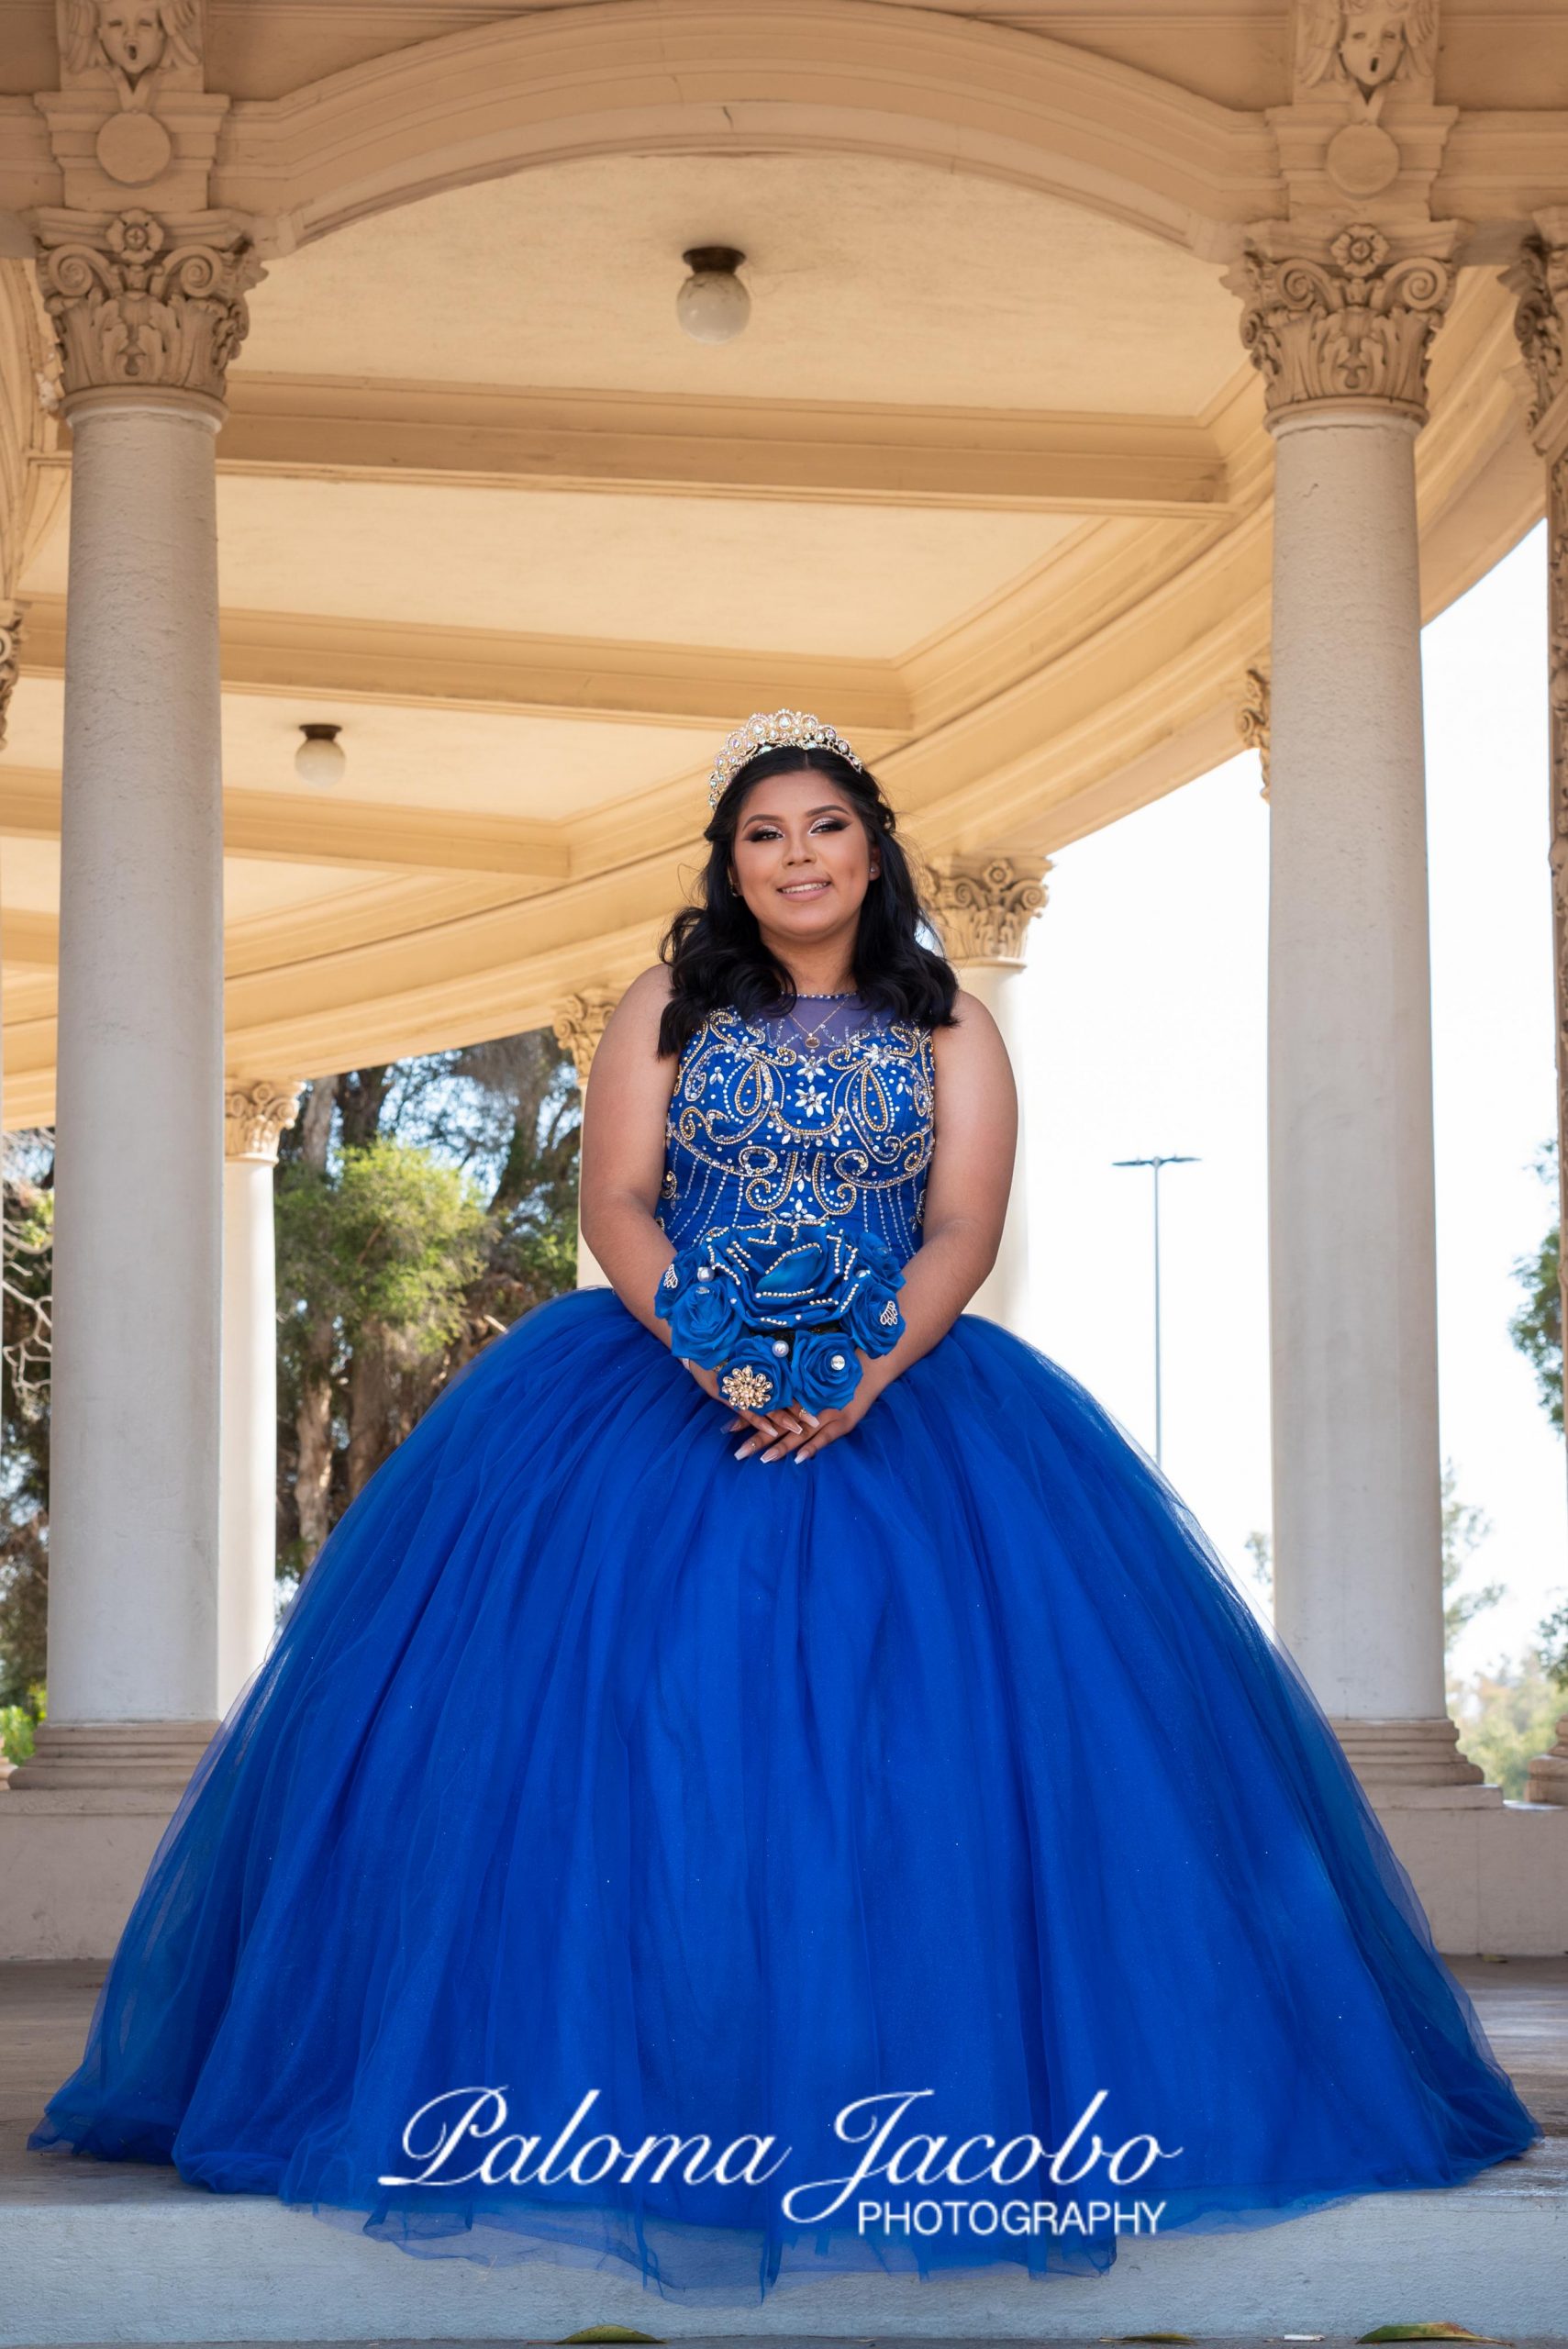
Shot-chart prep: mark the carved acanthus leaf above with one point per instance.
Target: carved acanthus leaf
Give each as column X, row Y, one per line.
column 135, row 301
column 1253, row 720
column 256, row 1110
column 10, row 664
column 580, row 1021
column 983, row 903
column 1540, row 279
column 1354, row 324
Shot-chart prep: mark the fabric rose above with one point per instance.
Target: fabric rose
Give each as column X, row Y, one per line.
column 704, row 1321
column 872, row 1320
column 874, row 1251
column 793, row 1284
column 751, row 1378
column 824, row 1370
column 678, row 1274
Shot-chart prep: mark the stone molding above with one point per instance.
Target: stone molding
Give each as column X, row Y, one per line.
column 256, row 1109
column 155, row 1755
column 580, row 1023
column 983, row 903
column 1349, row 324
column 143, row 304
column 1412, row 1758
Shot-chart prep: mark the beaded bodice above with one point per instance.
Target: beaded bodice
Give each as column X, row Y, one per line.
column 822, row 1117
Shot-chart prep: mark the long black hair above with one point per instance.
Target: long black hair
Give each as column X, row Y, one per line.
column 715, row 949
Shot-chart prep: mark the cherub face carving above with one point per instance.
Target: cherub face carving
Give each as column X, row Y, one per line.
column 133, row 36
column 1372, row 43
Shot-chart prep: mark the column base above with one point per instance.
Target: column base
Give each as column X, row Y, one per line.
column 1548, row 1772
column 1415, row 1762
column 155, row 1756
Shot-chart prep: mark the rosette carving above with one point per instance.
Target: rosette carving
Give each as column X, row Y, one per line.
column 1357, row 325
column 134, row 301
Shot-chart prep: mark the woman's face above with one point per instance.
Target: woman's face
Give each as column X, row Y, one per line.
column 802, row 858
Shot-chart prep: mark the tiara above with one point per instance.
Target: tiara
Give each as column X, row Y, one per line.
column 774, row 729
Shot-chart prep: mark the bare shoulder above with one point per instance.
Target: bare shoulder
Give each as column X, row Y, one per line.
column 974, row 1036
column 640, row 1006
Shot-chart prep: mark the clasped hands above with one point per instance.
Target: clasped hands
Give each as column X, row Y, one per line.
column 789, row 1428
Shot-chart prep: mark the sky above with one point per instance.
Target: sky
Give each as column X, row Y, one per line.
column 1144, row 998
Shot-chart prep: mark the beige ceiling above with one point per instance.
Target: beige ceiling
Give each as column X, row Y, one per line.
column 871, row 280
column 985, row 481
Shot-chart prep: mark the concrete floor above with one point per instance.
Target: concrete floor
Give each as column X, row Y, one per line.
column 1523, row 2004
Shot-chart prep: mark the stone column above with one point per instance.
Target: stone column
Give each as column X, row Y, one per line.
column 1539, row 278
column 1341, row 337
column 256, row 1111
column 579, row 1024
column 982, row 904
column 148, row 312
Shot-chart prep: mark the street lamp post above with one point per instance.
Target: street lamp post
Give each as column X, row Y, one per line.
column 1172, row 1159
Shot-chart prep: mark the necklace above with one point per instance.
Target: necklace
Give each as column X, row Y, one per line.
column 813, row 1035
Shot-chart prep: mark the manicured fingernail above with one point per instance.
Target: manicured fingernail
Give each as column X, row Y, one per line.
column 741, row 1450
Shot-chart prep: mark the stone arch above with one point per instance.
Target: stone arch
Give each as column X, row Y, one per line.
column 699, row 76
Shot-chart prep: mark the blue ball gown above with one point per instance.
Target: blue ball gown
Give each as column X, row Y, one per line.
column 930, row 1828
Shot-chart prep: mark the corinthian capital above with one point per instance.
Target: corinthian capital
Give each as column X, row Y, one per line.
column 256, row 1110
column 10, row 663
column 142, row 303
column 1353, row 323
column 1539, row 278
column 580, row 1023
column 983, row 903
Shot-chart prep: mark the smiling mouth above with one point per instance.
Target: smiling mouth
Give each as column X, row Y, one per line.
column 802, row 888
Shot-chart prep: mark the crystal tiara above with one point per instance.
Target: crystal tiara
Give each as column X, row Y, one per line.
column 774, row 729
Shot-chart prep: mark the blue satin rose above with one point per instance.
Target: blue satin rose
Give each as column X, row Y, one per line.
column 824, row 1371
column 792, row 1282
column 874, row 1251
column 751, row 1375
column 870, row 1322
column 704, row 1320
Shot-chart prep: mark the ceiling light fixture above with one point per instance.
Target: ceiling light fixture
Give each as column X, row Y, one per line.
column 321, row 759
column 712, row 305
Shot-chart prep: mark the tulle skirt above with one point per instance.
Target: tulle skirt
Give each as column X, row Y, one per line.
column 919, row 1857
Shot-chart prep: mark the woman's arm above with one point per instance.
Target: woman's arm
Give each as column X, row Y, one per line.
column 624, row 1111
column 967, row 1185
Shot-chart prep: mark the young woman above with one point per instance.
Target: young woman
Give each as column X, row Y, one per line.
column 768, row 1780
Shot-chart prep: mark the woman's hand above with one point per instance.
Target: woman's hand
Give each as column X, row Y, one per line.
column 784, row 1427
column 791, row 1428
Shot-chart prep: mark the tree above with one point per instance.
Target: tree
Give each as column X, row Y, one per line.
column 1537, row 1328
column 422, row 1206
column 28, row 1279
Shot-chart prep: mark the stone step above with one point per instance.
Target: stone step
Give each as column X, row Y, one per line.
column 94, row 2252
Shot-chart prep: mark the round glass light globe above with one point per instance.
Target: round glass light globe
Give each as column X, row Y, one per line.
column 713, row 306
column 321, row 762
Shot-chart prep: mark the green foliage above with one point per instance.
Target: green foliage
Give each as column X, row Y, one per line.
column 386, row 1242
column 28, row 1274
column 1505, row 1718
column 422, row 1206
column 1537, row 1328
